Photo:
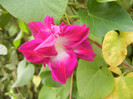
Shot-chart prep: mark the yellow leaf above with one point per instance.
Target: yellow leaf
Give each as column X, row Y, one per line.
column 115, row 70
column 36, row 80
column 114, row 47
column 0, row 28
column 123, row 88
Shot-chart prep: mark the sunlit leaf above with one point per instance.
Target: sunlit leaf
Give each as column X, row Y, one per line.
column 114, row 47
column 3, row 49
column 35, row 10
column 123, row 88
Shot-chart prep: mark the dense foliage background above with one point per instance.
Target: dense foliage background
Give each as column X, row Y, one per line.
column 113, row 79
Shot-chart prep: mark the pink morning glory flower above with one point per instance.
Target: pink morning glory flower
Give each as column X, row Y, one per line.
column 59, row 46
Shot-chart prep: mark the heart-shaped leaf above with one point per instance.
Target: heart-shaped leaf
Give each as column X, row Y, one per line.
column 94, row 80
column 103, row 17
column 114, row 48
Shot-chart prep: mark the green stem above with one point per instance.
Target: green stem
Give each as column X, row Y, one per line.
column 71, row 3
column 71, row 87
column 67, row 18
column 4, row 12
column 74, row 10
column 71, row 16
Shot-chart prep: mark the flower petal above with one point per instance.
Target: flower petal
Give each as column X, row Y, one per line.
column 47, row 47
column 43, row 35
column 48, row 21
column 36, row 27
column 84, row 51
column 62, row 66
column 73, row 35
column 28, row 50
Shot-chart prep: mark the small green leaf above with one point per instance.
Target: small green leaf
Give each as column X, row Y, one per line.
column 94, row 80
column 24, row 74
column 3, row 49
column 17, row 40
column 13, row 29
column 23, row 26
column 103, row 17
column 4, row 19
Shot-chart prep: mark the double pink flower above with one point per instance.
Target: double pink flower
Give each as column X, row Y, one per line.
column 59, row 46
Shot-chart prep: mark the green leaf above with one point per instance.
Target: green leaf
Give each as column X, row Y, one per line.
column 91, row 36
column 103, row 17
column 94, row 80
column 102, row 1
column 24, row 74
column 3, row 49
column 48, row 80
column 13, row 57
column 4, row 19
column 23, row 26
column 17, row 40
column 125, row 3
column 47, row 93
column 13, row 29
column 35, row 10
column 64, row 90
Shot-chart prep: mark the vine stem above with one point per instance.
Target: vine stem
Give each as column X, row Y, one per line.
column 17, row 87
column 65, row 21
column 71, row 87
column 71, row 3
column 100, row 46
column 67, row 18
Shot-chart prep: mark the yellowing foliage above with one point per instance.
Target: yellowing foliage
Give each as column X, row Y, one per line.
column 36, row 80
column 123, row 88
column 115, row 70
column 114, row 47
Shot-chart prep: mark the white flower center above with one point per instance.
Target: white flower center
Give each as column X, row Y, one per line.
column 58, row 45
